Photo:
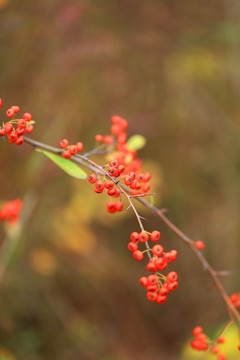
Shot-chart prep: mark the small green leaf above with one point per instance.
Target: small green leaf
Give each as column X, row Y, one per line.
column 136, row 142
column 66, row 165
column 30, row 123
column 152, row 200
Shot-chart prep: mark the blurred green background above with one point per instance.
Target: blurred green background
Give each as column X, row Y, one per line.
column 172, row 69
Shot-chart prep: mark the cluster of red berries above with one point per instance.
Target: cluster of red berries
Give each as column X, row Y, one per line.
column 10, row 211
column 157, row 285
column 201, row 343
column 23, row 125
column 235, row 299
column 117, row 129
column 70, row 149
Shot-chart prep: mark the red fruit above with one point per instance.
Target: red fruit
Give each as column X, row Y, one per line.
column 8, row 128
column 121, row 169
column 168, row 257
column 112, row 192
column 134, row 236
column 146, row 187
column 172, row 286
column 10, row 113
column 221, row 357
column 163, row 291
column 160, row 264
column 128, row 180
column 66, row 154
column 19, row 131
column 15, row 108
column 132, row 246
column 72, row 149
column 21, row 124
column 155, row 235
column 79, row 146
column 2, row 132
column 92, row 178
column 99, row 186
column 172, row 276
column 119, row 205
column 108, row 139
column 99, row 138
column 234, row 298
column 29, row 129
column 161, row 299
column 140, row 177
column 199, row 245
column 122, row 138
column 215, row 349
column 20, row 140
column 138, row 255
column 152, row 296
column 12, row 137
column 113, row 171
column 152, row 288
column 115, row 119
column 143, row 281
column 143, row 236
column 198, row 345
column 109, row 184
column 116, row 129
column 157, row 250
column 221, row 340
column 1, row 103
column 113, row 163
column 64, row 143
column 151, row 266
column 111, row 207
column 147, row 176
column 27, row 116
column 152, row 280
column 197, row 330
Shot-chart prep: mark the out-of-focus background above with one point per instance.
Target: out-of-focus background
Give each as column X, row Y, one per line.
column 171, row 68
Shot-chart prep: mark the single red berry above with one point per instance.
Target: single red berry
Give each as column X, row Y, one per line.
column 161, row 299
column 113, row 163
column 20, row 140
column 167, row 257
column 119, row 205
column 173, row 285
column 99, row 186
column 1, row 103
column 21, row 124
column 111, row 207
column 113, row 171
column 221, row 357
column 115, row 119
column 112, row 192
column 63, row 143
column 155, row 235
column 138, row 255
column 121, row 169
column 15, row 108
column 143, row 281
column 99, row 138
column 143, row 236
column 198, row 345
column 132, row 246
column 109, row 184
column 163, row 291
column 2, row 132
column 19, row 131
column 152, row 288
column 66, row 154
column 201, row 337
column 108, row 139
column 128, row 180
column 29, row 128
column 151, row 266
column 215, row 349
column 140, row 177
column 147, row 176
column 152, row 280
column 172, row 276
column 234, row 298
column 79, row 146
column 27, row 116
column 12, row 137
column 197, row 330
column 10, row 113
column 157, row 250
column 199, row 245
column 8, row 128
column 239, row 347
column 72, row 149
column 160, row 264
column 134, row 236
column 122, row 138
column 221, row 340
column 152, row 296
column 92, row 178
column 146, row 187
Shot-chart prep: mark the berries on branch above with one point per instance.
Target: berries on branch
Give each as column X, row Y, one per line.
column 10, row 211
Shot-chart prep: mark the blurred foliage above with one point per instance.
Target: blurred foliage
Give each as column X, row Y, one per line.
column 171, row 68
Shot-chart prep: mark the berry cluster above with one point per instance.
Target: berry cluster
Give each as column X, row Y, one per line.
column 15, row 128
column 70, row 149
column 10, row 211
column 235, row 299
column 157, row 285
column 202, row 342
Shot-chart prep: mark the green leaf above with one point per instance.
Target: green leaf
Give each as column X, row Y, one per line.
column 66, row 165
column 30, row 123
column 152, row 200
column 136, row 142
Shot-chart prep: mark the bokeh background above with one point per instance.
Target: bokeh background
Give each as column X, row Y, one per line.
column 70, row 290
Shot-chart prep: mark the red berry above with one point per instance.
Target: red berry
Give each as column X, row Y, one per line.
column 113, row 171
column 132, row 246
column 157, row 250
column 152, row 280
column 19, row 131
column 8, row 128
column 73, row 149
column 147, row 176
column 20, row 140
column 221, row 340
column 152, row 296
column 122, row 138
column 161, row 299
column 128, row 180
column 108, row 139
column 116, row 129
column 151, row 266
column 121, row 169
column 155, row 235
column 92, row 178
column 66, row 154
column 143, row 281
column 27, row 116
column 198, row 345
column 1, row 103
column 199, row 245
column 152, row 288
column 64, row 143
column 112, row 192
column 215, row 349
column 111, row 207
column 99, row 186
column 113, row 163
column 138, row 255
column 21, row 124
column 143, row 236
column 99, row 138
column 10, row 113
column 221, row 357
column 197, row 330
column 134, row 236
column 115, row 119
column 15, row 108
column 146, row 187
column 119, row 205
column 12, row 137
column 2, row 132
column 163, row 291
column 79, row 146
column 173, row 285
column 234, row 297
column 109, row 184
column 29, row 128
column 172, row 276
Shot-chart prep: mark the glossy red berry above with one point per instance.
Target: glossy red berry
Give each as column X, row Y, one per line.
column 2, row 132
column 66, row 154
column 99, row 138
column 121, row 169
column 221, row 357
column 72, row 149
column 19, row 131
column 20, row 140
column 173, row 285
column 8, row 128
column 161, row 299
column 112, row 192
column 134, row 236
column 92, row 178
column 197, row 330
column 157, row 250
column 155, row 235
column 15, row 108
column 143, row 281
column 99, row 187
column 109, row 184
column 10, row 113
column 152, row 296
column 119, row 205
column 199, row 245
column 221, row 340
column 1, row 103
column 29, row 128
column 113, row 171
column 143, row 236
column 138, row 255
column 21, row 123
column 215, row 349
column 132, row 246
column 111, row 207
column 151, row 266
column 108, row 139
column 128, row 180
column 79, row 146
column 113, row 163
column 27, row 116
column 198, row 345
column 172, row 276
column 12, row 137
column 152, row 279
column 64, row 143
